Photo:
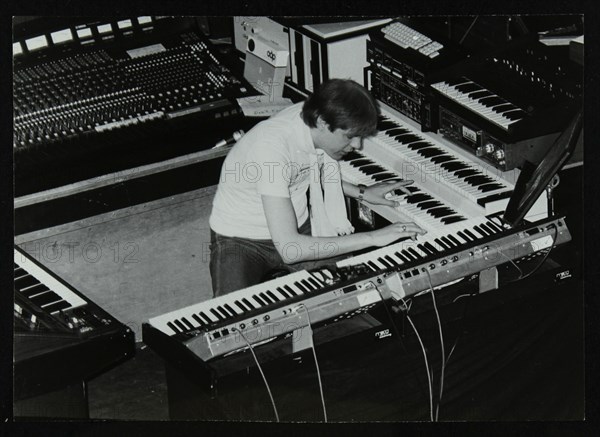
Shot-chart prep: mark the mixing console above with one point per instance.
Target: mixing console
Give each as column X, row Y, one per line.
column 95, row 91
column 68, row 97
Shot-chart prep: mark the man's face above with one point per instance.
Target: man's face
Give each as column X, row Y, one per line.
column 338, row 143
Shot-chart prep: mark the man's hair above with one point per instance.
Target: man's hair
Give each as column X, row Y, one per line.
column 342, row 104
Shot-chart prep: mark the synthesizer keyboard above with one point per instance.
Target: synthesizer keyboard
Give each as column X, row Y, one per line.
column 460, row 250
column 509, row 104
column 275, row 308
column 268, row 310
column 60, row 336
column 481, row 100
column 42, row 288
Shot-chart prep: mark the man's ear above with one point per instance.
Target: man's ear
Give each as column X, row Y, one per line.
column 322, row 124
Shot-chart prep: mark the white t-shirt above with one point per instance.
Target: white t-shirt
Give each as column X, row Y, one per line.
column 271, row 159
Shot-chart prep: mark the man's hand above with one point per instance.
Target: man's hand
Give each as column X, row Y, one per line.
column 375, row 194
column 395, row 231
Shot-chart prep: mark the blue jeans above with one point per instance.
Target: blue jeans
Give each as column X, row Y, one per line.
column 237, row 263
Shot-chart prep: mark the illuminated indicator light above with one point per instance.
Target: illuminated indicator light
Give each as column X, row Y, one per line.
column 61, row 36
column 124, row 24
column 104, row 28
column 84, row 33
column 39, row 42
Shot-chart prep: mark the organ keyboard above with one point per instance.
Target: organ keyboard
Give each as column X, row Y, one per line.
column 277, row 307
column 449, row 184
column 428, row 210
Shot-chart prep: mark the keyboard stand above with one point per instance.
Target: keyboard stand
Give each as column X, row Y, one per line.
column 208, row 391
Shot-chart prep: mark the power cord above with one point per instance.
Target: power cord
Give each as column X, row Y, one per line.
column 437, row 315
column 546, row 255
column 261, row 372
column 312, row 346
column 393, row 324
column 462, row 321
column 406, row 308
column 431, row 416
column 514, row 264
column 536, row 268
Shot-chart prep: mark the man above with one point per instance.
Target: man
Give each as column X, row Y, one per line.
column 260, row 218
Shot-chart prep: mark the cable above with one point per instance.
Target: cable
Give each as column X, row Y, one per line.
column 514, row 264
column 546, row 255
column 406, row 308
column 312, row 346
column 514, row 280
column 426, row 365
column 536, row 268
column 452, row 348
column 437, row 315
column 461, row 296
column 462, row 322
column 468, row 30
column 261, row 372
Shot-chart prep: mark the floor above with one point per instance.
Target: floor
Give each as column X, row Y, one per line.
column 136, row 262
column 135, row 390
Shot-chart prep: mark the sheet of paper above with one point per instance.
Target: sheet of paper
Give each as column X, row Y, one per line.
column 262, row 106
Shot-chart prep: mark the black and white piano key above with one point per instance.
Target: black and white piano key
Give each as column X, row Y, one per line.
column 433, row 244
column 482, row 101
column 423, row 213
column 241, row 302
column 415, row 149
column 42, row 288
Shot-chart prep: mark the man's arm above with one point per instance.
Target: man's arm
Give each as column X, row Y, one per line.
column 294, row 247
column 375, row 194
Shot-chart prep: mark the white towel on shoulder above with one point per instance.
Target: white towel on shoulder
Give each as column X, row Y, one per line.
column 328, row 216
